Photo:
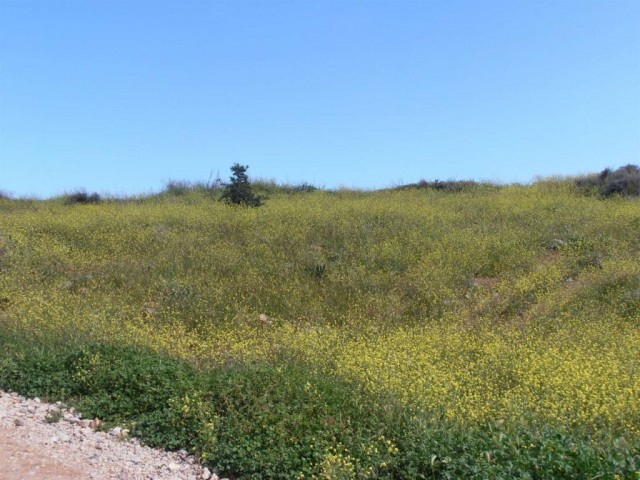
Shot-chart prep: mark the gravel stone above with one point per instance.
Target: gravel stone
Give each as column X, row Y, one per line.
column 73, row 449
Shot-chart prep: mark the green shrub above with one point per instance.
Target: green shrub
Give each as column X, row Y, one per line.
column 178, row 188
column 109, row 382
column 123, row 382
column 623, row 181
column 239, row 190
column 270, row 187
column 36, row 373
column 82, row 197
column 450, row 186
column 303, row 187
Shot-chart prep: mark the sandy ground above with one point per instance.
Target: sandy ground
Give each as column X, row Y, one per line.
column 20, row 460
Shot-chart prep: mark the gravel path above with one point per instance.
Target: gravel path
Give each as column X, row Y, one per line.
column 34, row 447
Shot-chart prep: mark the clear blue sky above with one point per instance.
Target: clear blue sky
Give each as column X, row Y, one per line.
column 122, row 96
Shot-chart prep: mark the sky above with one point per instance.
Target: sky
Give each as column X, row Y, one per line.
column 123, row 96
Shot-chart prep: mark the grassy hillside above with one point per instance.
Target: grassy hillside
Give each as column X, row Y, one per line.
column 409, row 333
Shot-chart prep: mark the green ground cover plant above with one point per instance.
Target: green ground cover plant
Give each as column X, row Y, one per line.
column 407, row 333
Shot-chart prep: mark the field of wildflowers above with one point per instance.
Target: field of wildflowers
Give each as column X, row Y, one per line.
column 410, row 333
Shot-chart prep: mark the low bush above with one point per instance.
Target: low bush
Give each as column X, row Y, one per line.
column 110, row 382
column 624, row 181
column 270, row 187
column 182, row 188
column 178, row 188
column 35, row 373
column 300, row 188
column 82, row 197
column 450, row 186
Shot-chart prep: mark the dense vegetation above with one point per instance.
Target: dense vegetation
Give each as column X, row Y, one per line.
column 430, row 331
column 623, row 181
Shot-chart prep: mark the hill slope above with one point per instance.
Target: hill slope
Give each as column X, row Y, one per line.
column 493, row 331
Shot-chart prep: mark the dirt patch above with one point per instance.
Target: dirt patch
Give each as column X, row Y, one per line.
column 20, row 460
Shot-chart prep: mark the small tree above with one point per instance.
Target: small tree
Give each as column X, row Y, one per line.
column 239, row 191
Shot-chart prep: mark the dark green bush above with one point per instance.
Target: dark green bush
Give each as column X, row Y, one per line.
column 111, row 382
column 82, row 197
column 303, row 187
column 36, row 373
column 118, row 382
column 623, row 181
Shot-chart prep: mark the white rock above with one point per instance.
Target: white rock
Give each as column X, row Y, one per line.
column 206, row 474
column 174, row 467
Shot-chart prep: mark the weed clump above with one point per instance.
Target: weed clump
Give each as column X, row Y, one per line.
column 178, row 188
column 624, row 181
column 183, row 188
column 447, row 186
column 303, row 187
column 82, row 198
